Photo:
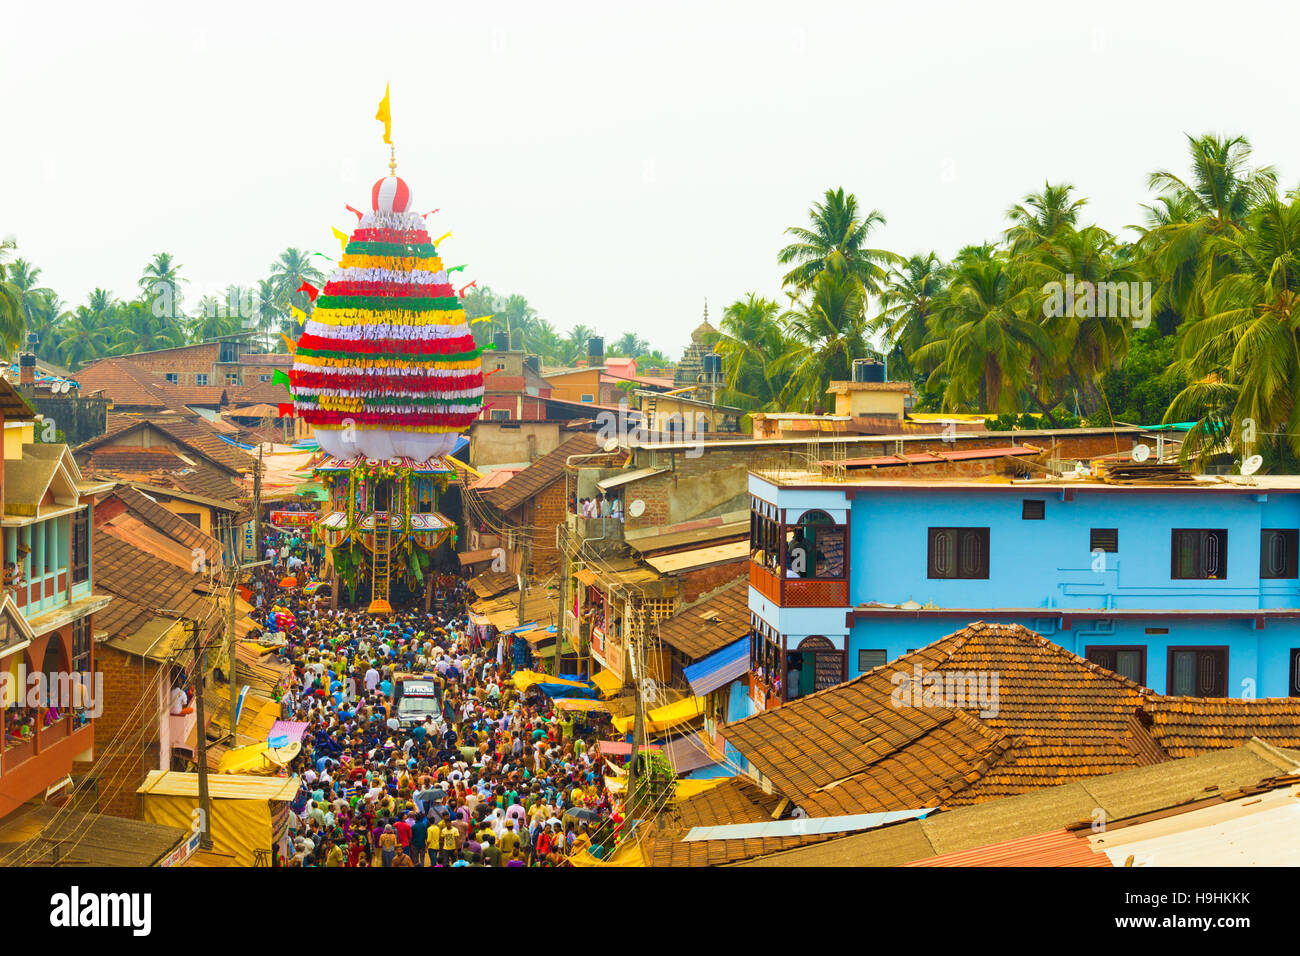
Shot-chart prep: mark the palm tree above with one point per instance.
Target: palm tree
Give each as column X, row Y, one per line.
column 750, row 341
column 1040, row 217
column 269, row 316
column 44, row 321
column 161, row 283
column 836, row 240
column 1213, row 202
column 216, row 318
column 1243, row 357
column 630, row 344
column 517, row 316
column 543, row 341
column 1091, row 337
column 136, row 329
column 288, row 273
column 83, row 336
column 12, row 315
column 576, row 342
column 827, row 331
column 907, row 305
column 981, row 349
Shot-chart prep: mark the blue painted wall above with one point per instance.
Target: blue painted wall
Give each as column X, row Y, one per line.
column 1046, row 564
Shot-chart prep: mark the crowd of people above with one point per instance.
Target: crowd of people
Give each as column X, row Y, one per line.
column 495, row 777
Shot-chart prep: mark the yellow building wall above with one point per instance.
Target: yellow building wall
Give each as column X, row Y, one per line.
column 18, row 434
column 571, row 386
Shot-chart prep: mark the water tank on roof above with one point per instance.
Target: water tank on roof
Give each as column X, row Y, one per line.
column 502, row 341
column 533, row 362
column 596, row 349
column 868, row 370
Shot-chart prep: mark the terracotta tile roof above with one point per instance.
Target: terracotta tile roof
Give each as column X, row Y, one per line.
column 1185, row 726
column 711, row 623
column 258, row 393
column 172, row 525
column 131, row 386
column 131, row 459
column 204, row 438
column 13, row 407
column 142, row 584
column 1057, row 718
column 206, row 481
column 739, row 800
column 540, row 474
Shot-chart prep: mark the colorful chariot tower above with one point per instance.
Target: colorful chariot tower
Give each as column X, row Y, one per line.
column 387, row 373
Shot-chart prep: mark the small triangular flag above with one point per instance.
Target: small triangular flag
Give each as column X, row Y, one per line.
column 355, row 210
column 342, row 237
column 286, row 409
column 445, row 235
column 298, row 314
column 280, row 377
column 456, row 269
column 310, row 289
column 482, row 318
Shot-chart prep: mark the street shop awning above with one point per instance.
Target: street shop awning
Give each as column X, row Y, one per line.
column 539, row 636
column 474, row 557
column 607, row 682
column 804, row 826
column 530, row 626
column 290, row 730
column 481, row 620
column 718, row 669
column 580, row 704
column 621, row 748
column 526, row 679
column 666, row 717
column 585, row 576
column 627, row 477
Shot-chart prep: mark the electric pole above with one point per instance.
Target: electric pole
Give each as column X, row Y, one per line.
column 205, row 803
column 257, row 507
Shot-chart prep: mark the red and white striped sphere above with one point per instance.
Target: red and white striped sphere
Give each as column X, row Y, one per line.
column 390, row 194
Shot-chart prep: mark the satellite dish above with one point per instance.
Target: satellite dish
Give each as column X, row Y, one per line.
column 1252, row 465
column 611, row 443
column 1080, row 468
column 799, row 813
column 1141, row 453
column 636, row 509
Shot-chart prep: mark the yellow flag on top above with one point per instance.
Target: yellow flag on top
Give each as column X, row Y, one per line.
column 385, row 116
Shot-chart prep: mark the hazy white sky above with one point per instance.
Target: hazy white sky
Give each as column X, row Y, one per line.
column 615, row 163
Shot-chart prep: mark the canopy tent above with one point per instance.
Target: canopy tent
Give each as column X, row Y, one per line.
column 663, row 718
column 580, row 704
column 249, row 813
column 607, row 682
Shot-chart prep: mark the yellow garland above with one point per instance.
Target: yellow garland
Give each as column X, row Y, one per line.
column 388, row 317
column 355, row 261
column 384, row 362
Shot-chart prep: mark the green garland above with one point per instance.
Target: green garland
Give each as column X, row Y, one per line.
column 399, row 250
column 388, row 303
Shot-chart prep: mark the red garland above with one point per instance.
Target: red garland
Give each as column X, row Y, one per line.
column 320, row 417
column 392, row 235
column 372, row 380
column 394, row 289
column 361, row 348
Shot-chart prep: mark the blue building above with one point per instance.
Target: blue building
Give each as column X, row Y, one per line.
column 1187, row 587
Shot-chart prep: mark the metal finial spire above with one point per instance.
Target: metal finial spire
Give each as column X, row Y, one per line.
column 392, row 159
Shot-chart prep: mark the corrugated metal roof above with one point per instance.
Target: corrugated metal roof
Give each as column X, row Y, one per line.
column 802, row 827
column 700, row 558
column 627, row 477
column 719, row 668
column 1056, row 848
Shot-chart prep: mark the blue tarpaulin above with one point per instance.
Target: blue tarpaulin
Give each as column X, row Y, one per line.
column 719, row 668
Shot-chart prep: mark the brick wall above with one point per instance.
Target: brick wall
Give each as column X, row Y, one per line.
column 695, row 583
column 126, row 679
column 549, row 509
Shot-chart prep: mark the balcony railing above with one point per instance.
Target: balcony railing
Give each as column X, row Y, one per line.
column 797, row 592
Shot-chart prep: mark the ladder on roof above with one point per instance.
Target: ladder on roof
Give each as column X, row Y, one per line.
column 648, row 406
column 381, row 562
